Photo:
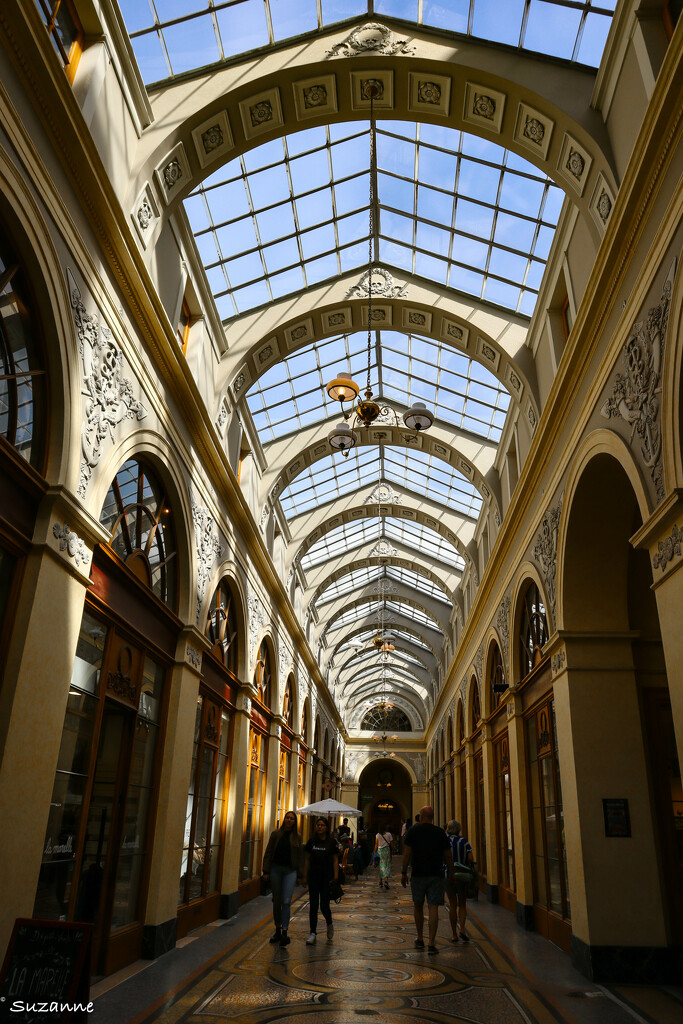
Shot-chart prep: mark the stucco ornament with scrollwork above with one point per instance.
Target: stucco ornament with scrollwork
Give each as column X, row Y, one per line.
column 372, row 37
column 109, row 396
column 208, row 549
column 545, row 550
column 503, row 625
column 636, row 393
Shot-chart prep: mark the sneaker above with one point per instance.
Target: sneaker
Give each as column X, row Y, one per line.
column 285, row 939
column 431, row 950
column 464, row 936
column 330, row 932
column 276, row 936
column 310, row 941
column 419, row 944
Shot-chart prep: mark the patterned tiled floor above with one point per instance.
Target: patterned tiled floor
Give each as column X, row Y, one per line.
column 370, row 971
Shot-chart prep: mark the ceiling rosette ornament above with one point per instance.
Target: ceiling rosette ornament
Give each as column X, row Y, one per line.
column 636, row 393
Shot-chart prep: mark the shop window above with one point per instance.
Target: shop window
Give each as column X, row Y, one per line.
column 551, row 888
column 23, row 394
column 263, row 675
column 379, row 718
column 504, row 833
column 533, row 630
column 221, row 628
column 205, row 814
column 496, row 677
column 65, row 30
column 252, row 836
column 97, row 844
column 283, row 784
column 137, row 515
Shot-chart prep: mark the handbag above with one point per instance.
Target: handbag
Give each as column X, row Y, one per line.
column 336, row 891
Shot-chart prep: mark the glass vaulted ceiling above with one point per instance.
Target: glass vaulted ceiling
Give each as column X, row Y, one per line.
column 451, row 208
column 171, row 37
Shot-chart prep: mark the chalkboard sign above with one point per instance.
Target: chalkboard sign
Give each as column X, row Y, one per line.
column 46, row 973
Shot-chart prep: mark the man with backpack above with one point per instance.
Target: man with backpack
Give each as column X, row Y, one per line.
column 458, row 886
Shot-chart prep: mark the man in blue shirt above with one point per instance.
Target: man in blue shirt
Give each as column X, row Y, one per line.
column 426, row 848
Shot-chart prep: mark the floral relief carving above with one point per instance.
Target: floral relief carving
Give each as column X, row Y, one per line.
column 371, row 38
column 545, row 550
column 315, row 96
column 384, row 493
column 109, row 394
column 172, row 174
column 222, row 415
column 604, row 207
column 429, row 92
column 261, row 113
column 479, row 663
column 212, row 138
column 383, row 549
column 208, row 549
column 667, row 549
column 636, row 393
column 534, row 130
column 454, row 332
column 257, row 617
column 503, row 625
column 239, row 383
column 484, row 106
column 575, row 163
column 145, row 214
column 193, row 656
column 71, row 543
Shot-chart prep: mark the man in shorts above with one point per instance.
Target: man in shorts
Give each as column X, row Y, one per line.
column 426, row 848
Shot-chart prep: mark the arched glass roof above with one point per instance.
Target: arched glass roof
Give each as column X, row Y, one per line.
column 356, row 579
column 353, row 535
column 171, row 37
column 451, row 207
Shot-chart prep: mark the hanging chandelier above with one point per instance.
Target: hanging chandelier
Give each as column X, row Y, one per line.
column 343, row 388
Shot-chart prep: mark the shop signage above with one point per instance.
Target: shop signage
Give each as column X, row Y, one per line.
column 46, row 970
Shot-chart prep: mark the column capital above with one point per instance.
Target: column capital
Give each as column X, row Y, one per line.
column 68, row 532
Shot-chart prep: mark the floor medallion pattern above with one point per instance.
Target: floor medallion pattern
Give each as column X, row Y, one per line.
column 369, row 972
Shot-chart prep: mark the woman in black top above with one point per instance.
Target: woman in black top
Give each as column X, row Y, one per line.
column 322, row 865
column 282, row 866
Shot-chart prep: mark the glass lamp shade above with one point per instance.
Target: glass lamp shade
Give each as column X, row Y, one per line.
column 343, row 388
column 341, row 438
column 418, row 417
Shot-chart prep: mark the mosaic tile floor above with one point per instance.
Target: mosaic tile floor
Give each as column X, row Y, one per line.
column 370, row 971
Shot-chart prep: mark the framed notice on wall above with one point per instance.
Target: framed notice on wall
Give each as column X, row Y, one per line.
column 617, row 818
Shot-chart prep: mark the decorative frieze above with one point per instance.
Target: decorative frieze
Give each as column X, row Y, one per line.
column 484, row 106
column 257, row 617
column 261, row 113
column 668, row 549
column 109, row 397
column 208, row 549
column 315, row 96
column 503, row 626
column 636, row 393
column 213, row 138
column 71, row 543
column 545, row 550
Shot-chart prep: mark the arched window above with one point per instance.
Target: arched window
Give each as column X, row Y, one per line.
column 263, row 674
column 533, row 630
column 288, row 703
column 22, row 373
column 221, row 627
column 393, row 719
column 496, row 676
column 137, row 515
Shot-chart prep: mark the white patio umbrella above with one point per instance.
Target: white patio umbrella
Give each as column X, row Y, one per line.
column 329, row 806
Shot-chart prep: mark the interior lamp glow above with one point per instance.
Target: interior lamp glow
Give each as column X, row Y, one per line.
column 341, row 438
column 418, row 417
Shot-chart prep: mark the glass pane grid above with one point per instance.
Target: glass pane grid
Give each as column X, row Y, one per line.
column 171, row 38
column 328, row 479
column 294, row 212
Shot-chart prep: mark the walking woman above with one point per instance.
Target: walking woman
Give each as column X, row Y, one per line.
column 322, row 865
column 283, row 866
column 458, row 887
column 383, row 848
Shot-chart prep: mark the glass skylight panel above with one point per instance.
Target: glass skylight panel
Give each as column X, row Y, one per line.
column 338, row 541
column 411, row 638
column 423, row 540
column 172, row 36
column 280, row 218
column 432, row 476
column 350, row 583
column 353, row 614
column 418, row 368
column 329, row 478
column 402, row 608
column 416, row 581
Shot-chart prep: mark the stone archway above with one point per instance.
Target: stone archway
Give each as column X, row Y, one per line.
column 385, row 795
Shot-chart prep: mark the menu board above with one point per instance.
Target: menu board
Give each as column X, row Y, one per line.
column 46, row 973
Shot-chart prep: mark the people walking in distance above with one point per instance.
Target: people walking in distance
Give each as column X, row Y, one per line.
column 383, row 848
column 426, row 849
column 282, row 866
column 404, row 828
column 322, row 865
column 457, row 888
column 344, row 830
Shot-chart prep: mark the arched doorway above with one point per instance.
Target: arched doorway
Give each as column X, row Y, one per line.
column 385, row 794
column 614, row 710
